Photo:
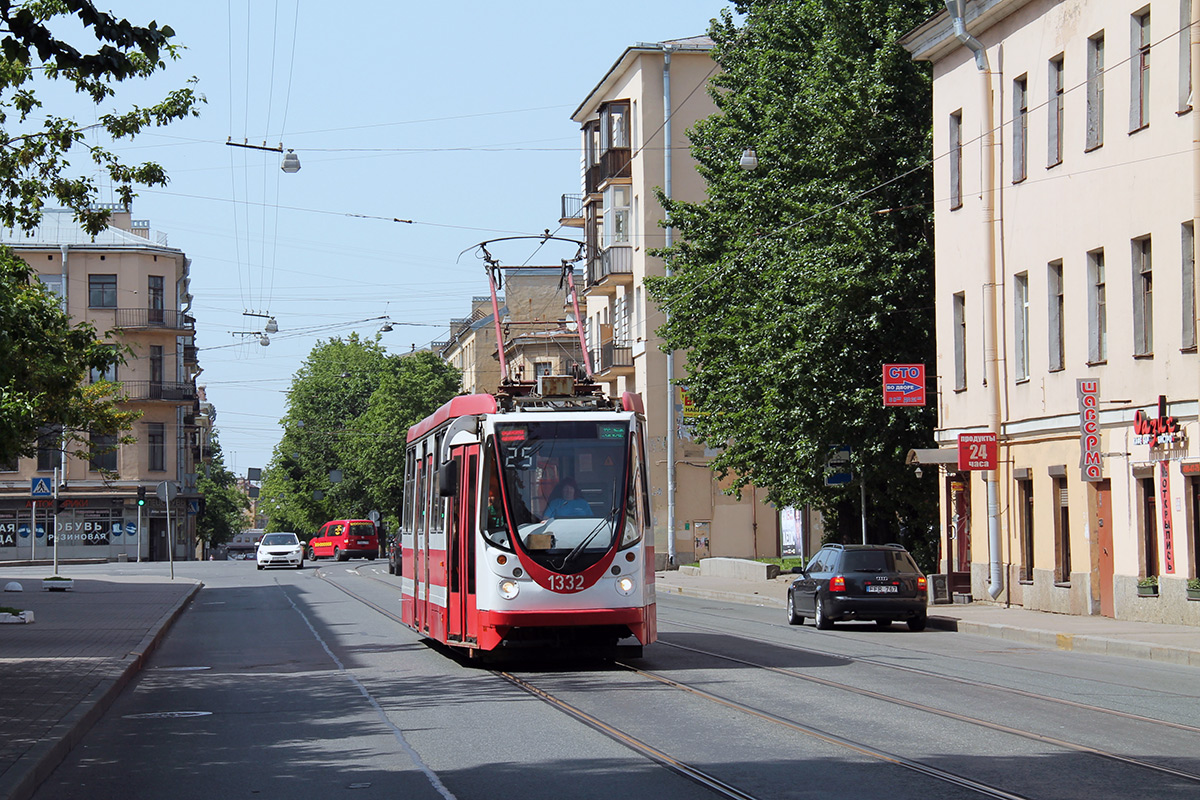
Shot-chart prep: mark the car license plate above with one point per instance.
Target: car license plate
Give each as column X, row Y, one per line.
column 884, row 589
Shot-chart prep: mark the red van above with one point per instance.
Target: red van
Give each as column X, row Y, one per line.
column 341, row 539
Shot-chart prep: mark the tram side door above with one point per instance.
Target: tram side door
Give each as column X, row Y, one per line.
column 461, row 548
column 421, row 545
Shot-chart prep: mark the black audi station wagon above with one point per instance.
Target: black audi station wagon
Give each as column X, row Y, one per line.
column 879, row 582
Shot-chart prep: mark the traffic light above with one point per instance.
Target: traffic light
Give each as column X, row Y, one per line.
column 141, row 495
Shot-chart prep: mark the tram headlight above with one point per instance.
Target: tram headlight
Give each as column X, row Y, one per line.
column 509, row 589
column 625, row 585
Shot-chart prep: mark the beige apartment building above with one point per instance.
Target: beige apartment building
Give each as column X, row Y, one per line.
column 125, row 280
column 1065, row 193
column 634, row 140
column 537, row 330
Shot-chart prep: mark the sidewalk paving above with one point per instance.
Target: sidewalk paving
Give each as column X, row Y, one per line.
column 1175, row 644
column 60, row 674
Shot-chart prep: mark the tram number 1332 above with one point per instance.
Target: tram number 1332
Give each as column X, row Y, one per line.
column 566, row 583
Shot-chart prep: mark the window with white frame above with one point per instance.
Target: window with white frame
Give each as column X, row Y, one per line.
column 1095, row 92
column 1056, row 307
column 1139, row 76
column 956, row 153
column 1054, row 112
column 960, row 342
column 1097, row 309
column 1020, row 154
column 616, row 215
column 1188, row 288
column 1021, row 325
column 1143, row 298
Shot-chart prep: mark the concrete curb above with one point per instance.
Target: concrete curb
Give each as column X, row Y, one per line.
column 33, row 767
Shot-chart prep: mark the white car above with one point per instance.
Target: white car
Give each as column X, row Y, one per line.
column 280, row 550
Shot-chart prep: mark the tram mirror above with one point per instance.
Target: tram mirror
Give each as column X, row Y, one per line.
column 448, row 480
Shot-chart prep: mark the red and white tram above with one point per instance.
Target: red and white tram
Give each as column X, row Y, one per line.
column 526, row 521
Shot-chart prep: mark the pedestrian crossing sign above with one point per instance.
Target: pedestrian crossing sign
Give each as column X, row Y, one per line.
column 41, row 488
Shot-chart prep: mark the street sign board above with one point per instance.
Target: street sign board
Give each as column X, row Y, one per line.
column 837, row 466
column 166, row 491
column 41, row 488
column 977, row 451
column 904, row 384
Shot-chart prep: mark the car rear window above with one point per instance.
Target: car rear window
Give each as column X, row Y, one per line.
column 362, row 530
column 867, row 561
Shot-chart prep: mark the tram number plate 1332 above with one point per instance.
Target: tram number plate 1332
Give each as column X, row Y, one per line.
column 566, row 583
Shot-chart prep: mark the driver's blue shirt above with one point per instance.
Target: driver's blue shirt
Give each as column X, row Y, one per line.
column 568, row 508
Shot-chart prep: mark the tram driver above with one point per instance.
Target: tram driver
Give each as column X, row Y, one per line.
column 565, row 501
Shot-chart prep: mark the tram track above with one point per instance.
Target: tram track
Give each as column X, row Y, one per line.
column 920, row 707
column 686, row 770
column 1074, row 705
column 859, row 747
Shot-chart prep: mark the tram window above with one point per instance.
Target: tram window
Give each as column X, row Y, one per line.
column 495, row 528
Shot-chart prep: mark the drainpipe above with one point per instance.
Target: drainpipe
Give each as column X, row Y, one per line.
column 956, row 10
column 667, row 110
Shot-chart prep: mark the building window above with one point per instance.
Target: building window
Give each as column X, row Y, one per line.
column 1185, row 56
column 1021, row 325
column 1149, row 526
column 49, row 449
column 1143, row 299
column 1139, row 62
column 1097, row 312
column 1188, row 289
column 960, row 342
column 1056, row 306
column 109, row 374
column 104, row 452
column 616, row 215
column 1020, row 128
column 541, row 368
column 1062, row 533
column 53, row 283
column 956, row 154
column 1054, row 139
column 1095, row 92
column 102, row 291
column 156, row 365
column 156, row 437
column 1025, row 499
column 614, row 126
column 154, row 298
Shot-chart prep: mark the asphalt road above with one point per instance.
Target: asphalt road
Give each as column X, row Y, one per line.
column 280, row 684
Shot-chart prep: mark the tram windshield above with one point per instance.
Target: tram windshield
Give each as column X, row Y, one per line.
column 564, row 484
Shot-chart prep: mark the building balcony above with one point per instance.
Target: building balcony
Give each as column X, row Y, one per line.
column 609, row 269
column 613, row 360
column 160, row 390
column 162, row 318
column 572, row 211
column 191, row 354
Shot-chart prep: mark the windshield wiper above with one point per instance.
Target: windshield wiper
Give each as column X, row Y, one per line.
column 587, row 539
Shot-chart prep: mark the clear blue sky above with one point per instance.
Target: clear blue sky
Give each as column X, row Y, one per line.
column 453, row 115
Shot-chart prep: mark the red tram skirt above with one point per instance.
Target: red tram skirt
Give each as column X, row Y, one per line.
column 495, row 625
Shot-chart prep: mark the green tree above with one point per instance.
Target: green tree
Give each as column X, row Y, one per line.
column 44, row 361
column 794, row 283
column 375, row 453
column 225, row 504
column 347, row 411
column 35, row 144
